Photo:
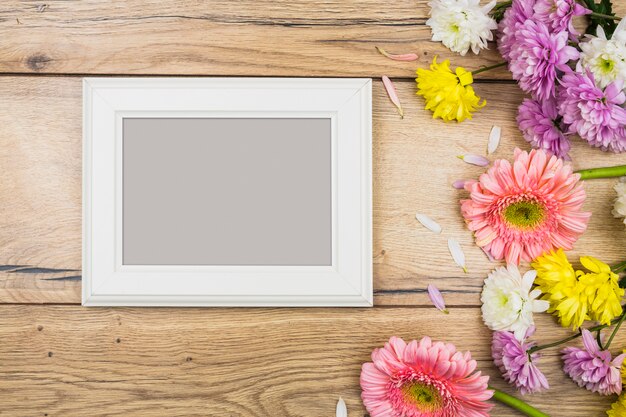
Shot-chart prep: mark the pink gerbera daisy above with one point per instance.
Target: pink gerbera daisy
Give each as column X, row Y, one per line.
column 423, row 379
column 521, row 210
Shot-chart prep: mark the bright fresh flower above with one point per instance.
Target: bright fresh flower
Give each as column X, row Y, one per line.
column 605, row 58
column 557, row 280
column 592, row 368
column 521, row 210
column 601, row 286
column 448, row 95
column 578, row 296
column 538, row 57
column 597, row 116
column 558, row 15
column 514, row 16
column 517, row 367
column 618, row 408
column 509, row 303
column 423, row 379
column 619, row 210
column 462, row 24
column 542, row 127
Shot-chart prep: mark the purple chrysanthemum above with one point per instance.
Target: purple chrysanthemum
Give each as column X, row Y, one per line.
column 514, row 16
column 542, row 127
column 538, row 57
column 593, row 368
column 517, row 367
column 558, row 15
column 596, row 115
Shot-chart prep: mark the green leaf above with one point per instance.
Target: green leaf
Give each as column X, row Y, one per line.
column 604, row 7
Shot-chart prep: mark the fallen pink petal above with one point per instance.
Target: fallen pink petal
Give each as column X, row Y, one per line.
column 393, row 95
column 478, row 160
column 397, row 57
column 437, row 298
column 459, row 184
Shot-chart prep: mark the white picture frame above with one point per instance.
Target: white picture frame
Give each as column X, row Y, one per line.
column 347, row 281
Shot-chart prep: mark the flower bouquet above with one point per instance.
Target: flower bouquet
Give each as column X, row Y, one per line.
column 526, row 212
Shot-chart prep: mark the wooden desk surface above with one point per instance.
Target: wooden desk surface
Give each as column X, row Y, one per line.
column 59, row 359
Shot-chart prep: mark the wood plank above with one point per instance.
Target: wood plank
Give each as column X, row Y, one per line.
column 72, row 361
column 414, row 164
column 251, row 37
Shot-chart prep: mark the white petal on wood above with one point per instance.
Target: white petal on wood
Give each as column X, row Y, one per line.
column 494, row 139
column 457, row 253
column 342, row 410
column 428, row 223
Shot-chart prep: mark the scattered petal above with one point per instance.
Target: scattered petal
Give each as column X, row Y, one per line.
column 457, row 253
column 428, row 223
column 393, row 96
column 396, row 57
column 459, row 184
column 437, row 299
column 481, row 161
column 342, row 410
column 494, row 139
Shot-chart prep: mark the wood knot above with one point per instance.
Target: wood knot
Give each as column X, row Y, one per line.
column 118, row 340
column 188, row 359
column 40, row 327
column 50, row 354
column 38, row 62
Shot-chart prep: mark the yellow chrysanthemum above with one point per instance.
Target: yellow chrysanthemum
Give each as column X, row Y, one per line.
column 558, row 283
column 618, row 408
column 448, row 95
column 603, row 291
column 576, row 296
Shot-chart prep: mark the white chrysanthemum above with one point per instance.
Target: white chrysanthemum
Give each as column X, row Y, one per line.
column 605, row 58
column 508, row 302
column 462, row 24
column 620, row 203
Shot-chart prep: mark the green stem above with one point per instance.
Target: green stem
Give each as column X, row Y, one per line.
column 490, row 67
column 577, row 335
column 605, row 172
column 517, row 404
column 617, row 326
column 604, row 16
column 559, row 342
column 617, row 268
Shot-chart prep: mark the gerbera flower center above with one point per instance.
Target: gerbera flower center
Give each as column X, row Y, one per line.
column 425, row 397
column 524, row 214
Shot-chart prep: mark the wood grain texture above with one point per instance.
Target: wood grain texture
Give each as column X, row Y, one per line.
column 253, row 37
column 414, row 164
column 72, row 361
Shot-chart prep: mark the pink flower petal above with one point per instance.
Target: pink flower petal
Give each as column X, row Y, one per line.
column 481, row 161
column 437, row 299
column 393, row 95
column 459, row 184
column 396, row 57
